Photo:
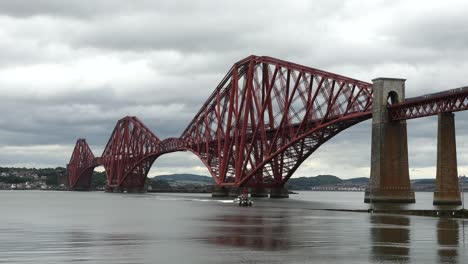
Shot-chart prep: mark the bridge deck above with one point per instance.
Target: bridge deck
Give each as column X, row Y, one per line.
column 431, row 104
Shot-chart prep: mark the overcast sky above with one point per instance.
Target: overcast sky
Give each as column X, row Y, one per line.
column 71, row 69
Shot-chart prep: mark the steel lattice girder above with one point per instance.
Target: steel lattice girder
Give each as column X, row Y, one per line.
column 267, row 115
column 81, row 166
column 125, row 157
column 262, row 121
column 448, row 101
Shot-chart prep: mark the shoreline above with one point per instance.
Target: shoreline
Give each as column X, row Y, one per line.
column 445, row 213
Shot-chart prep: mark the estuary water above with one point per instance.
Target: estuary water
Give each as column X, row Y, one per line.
column 97, row 227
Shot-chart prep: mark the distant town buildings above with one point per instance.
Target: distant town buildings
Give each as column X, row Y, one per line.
column 340, row 188
column 23, row 179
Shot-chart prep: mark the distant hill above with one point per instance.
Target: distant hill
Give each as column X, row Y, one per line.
column 360, row 180
column 178, row 181
column 329, row 181
column 184, row 177
column 423, row 181
column 306, row 183
column 301, row 183
column 191, row 181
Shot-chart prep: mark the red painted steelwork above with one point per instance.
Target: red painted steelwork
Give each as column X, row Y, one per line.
column 125, row 157
column 263, row 120
column 81, row 166
column 448, row 101
column 267, row 116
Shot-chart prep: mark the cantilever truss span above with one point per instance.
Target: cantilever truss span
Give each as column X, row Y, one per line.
column 81, row 166
column 267, row 116
column 264, row 118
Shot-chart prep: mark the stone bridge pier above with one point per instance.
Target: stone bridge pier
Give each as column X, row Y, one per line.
column 389, row 177
column 447, row 191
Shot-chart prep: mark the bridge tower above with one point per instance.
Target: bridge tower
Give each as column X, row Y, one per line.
column 389, row 176
column 447, row 191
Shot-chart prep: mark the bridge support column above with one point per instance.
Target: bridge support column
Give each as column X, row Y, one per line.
column 279, row 192
column 219, row 191
column 447, row 191
column 389, row 178
column 234, row 192
column 125, row 189
column 258, row 192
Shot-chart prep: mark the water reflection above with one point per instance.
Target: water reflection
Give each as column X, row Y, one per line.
column 263, row 231
column 447, row 238
column 391, row 206
column 83, row 239
column 85, row 246
column 390, row 236
column 175, row 229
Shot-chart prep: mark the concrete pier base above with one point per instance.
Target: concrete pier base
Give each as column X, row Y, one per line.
column 259, row 192
column 80, row 189
column 447, row 198
column 125, row 190
column 279, row 193
column 389, row 196
column 389, row 178
column 447, row 191
column 136, row 190
column 219, row 192
column 234, row 192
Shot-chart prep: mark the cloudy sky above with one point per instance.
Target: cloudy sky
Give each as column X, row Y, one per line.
column 71, row 69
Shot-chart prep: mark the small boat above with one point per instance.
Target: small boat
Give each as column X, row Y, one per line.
column 243, row 199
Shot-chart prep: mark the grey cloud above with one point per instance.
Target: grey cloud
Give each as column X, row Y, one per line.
column 37, row 156
column 91, row 9
column 161, row 32
column 85, row 9
column 444, row 32
column 63, row 124
column 24, row 8
column 185, row 49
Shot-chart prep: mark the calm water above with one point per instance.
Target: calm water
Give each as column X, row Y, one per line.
column 66, row 227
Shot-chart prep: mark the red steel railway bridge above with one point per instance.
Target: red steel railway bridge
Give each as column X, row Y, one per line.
column 267, row 116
